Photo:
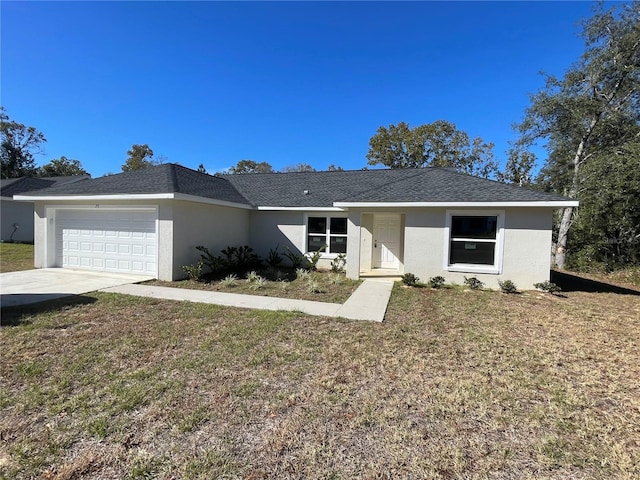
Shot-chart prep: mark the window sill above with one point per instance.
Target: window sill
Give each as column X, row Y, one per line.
column 487, row 269
column 327, row 256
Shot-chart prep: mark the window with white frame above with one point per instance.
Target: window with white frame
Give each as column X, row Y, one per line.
column 474, row 242
column 329, row 231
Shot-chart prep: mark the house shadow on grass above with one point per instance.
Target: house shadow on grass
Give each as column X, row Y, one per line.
column 573, row 283
column 14, row 315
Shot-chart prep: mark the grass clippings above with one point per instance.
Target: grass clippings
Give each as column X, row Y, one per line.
column 15, row 257
column 453, row 384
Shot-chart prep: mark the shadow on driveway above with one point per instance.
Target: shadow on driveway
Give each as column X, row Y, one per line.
column 573, row 283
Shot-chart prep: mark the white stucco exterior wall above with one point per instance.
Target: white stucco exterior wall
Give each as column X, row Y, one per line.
column 212, row 226
column 526, row 253
column 271, row 229
column 16, row 212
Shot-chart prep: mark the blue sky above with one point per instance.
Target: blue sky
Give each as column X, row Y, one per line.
column 289, row 82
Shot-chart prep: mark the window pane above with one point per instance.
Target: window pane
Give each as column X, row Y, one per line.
column 339, row 225
column 338, row 245
column 316, row 242
column 478, row 253
column 474, row 227
column 317, row 225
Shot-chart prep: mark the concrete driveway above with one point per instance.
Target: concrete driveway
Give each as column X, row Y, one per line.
column 33, row 286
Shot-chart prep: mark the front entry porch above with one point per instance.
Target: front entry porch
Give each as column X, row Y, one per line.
column 380, row 238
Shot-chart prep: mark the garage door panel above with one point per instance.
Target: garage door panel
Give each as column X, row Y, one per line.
column 109, row 240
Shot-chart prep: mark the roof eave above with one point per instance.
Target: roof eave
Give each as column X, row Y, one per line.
column 130, row 196
column 543, row 203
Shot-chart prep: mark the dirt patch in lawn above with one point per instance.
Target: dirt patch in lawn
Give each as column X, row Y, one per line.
column 454, row 384
column 317, row 286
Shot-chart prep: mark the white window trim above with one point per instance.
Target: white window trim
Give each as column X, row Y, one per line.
column 494, row 269
column 328, row 215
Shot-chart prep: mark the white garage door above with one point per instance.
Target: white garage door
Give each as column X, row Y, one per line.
column 109, row 240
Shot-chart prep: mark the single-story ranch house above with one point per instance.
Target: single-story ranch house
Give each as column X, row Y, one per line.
column 429, row 222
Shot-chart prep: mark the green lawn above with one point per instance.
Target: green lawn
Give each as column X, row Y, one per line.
column 15, row 256
column 454, row 384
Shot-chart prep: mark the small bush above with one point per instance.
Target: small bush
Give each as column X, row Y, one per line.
column 302, row 273
column 274, row 258
column 314, row 258
column 548, row 287
column 473, row 283
column 216, row 265
column 410, row 279
column 194, row 272
column 436, row 282
column 229, row 280
column 252, row 276
column 507, row 286
column 335, row 279
column 258, row 283
column 295, row 258
column 338, row 263
column 313, row 286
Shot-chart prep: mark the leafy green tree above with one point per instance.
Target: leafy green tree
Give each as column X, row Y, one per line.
column 201, row 168
column 606, row 229
column 62, row 167
column 438, row 144
column 140, row 156
column 300, row 167
column 594, row 108
column 518, row 168
column 18, row 146
column 251, row 166
column 335, row 168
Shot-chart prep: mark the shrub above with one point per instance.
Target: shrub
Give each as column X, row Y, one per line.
column 314, row 258
column 473, row 283
column 258, row 283
column 194, row 272
column 507, row 286
column 547, row 286
column 274, row 258
column 241, row 258
column 313, row 286
column 252, row 276
column 410, row 279
column 229, row 280
column 436, row 282
column 335, row 279
column 302, row 273
column 216, row 265
column 338, row 263
column 294, row 257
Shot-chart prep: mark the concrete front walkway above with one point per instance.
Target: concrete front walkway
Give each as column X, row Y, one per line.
column 368, row 302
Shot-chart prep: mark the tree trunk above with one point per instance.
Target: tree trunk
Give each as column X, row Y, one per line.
column 563, row 231
column 567, row 213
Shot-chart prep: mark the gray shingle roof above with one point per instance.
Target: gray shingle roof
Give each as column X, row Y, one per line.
column 165, row 178
column 16, row 186
column 307, row 189
column 378, row 186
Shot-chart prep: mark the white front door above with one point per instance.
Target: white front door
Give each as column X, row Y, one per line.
column 386, row 241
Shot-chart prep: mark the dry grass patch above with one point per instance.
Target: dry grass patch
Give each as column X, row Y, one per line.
column 15, row 257
column 453, row 384
column 317, row 286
